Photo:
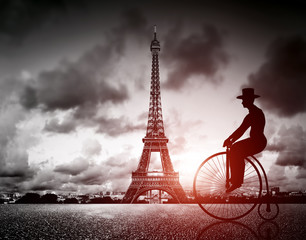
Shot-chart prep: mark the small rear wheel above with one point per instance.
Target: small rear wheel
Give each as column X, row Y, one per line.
column 268, row 212
column 209, row 187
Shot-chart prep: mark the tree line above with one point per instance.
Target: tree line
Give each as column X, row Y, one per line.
column 53, row 198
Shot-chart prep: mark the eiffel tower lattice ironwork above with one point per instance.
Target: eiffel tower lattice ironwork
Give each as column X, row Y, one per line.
column 155, row 141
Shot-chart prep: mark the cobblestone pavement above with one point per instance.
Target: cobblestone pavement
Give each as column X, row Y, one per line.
column 129, row 221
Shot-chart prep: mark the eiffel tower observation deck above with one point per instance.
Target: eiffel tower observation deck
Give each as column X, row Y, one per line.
column 166, row 180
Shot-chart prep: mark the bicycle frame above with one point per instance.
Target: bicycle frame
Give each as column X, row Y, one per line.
column 227, row 167
column 266, row 180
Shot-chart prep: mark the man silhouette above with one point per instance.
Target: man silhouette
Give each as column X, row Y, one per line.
column 250, row 146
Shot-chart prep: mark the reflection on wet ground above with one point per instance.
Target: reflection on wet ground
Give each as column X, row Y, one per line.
column 116, row 221
column 238, row 230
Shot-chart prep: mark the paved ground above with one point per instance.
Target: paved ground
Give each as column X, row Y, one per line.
column 110, row 221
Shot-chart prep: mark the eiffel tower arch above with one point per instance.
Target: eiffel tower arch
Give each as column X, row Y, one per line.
column 155, row 140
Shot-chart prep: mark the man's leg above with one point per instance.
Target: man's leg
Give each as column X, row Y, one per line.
column 237, row 165
column 238, row 152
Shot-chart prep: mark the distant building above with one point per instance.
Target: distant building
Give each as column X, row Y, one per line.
column 275, row 190
column 117, row 196
column 296, row 194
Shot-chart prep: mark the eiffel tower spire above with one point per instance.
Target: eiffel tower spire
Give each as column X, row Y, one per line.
column 155, row 141
column 155, row 127
column 155, row 138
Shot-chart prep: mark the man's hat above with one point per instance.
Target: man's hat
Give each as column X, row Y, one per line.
column 248, row 93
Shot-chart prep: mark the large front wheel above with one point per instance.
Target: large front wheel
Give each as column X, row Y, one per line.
column 209, row 187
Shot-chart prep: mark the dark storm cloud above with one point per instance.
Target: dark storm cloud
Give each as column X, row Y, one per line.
column 117, row 126
column 14, row 142
column 277, row 177
column 14, row 165
column 116, row 169
column 44, row 179
column 77, row 166
column 17, row 171
column 199, row 54
column 134, row 23
column 77, row 174
column 281, row 80
column 75, row 84
column 8, row 87
column 12, row 177
column 94, row 176
column 12, row 180
column 84, row 173
column 66, row 126
column 290, row 144
column 120, row 167
column 20, row 18
column 87, row 83
column 110, row 126
column 301, row 174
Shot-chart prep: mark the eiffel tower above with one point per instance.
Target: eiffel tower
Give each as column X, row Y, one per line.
column 155, row 140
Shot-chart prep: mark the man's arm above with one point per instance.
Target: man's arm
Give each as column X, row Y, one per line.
column 239, row 132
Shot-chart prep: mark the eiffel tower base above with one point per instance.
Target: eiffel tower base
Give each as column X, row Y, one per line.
column 143, row 182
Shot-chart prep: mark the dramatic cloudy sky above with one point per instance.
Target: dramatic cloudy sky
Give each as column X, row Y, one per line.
column 75, row 79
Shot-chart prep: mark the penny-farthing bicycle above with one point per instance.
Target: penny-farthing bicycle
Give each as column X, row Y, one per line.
column 212, row 179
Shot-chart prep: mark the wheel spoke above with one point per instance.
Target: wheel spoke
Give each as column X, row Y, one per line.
column 209, row 186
